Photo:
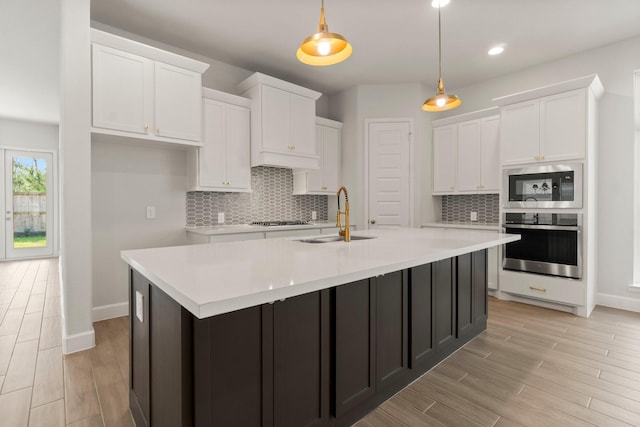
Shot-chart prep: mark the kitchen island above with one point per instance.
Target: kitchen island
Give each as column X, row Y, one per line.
column 281, row 332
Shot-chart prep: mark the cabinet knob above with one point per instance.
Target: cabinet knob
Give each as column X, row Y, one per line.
column 541, row 157
column 536, row 157
column 157, row 130
column 324, row 187
column 451, row 188
column 373, row 221
column 146, row 127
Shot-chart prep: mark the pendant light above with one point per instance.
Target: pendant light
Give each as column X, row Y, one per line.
column 440, row 101
column 323, row 47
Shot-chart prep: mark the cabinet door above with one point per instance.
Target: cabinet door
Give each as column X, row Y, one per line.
column 211, row 157
column 353, row 380
column 479, row 261
column 301, row 360
column 464, row 296
column 331, row 158
column 122, row 90
column 315, row 179
column 228, row 353
column 421, row 300
column 276, row 120
column 444, row 304
column 178, row 99
column 238, row 145
column 444, row 159
column 391, row 328
column 563, row 126
column 303, row 125
column 520, row 133
column 469, row 153
column 490, row 154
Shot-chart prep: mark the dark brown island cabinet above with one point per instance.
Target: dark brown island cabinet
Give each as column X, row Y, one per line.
column 325, row 358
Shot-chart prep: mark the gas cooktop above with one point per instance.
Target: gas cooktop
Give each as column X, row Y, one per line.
column 279, row 223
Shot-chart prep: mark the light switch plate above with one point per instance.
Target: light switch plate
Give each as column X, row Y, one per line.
column 220, row 217
column 314, row 215
column 140, row 306
column 151, row 212
column 474, row 216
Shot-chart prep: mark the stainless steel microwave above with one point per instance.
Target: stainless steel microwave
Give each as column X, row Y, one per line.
column 548, row 186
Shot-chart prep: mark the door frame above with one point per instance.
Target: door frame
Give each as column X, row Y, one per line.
column 367, row 123
column 54, row 211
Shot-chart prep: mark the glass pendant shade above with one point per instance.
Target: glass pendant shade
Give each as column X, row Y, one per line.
column 324, row 48
column 441, row 101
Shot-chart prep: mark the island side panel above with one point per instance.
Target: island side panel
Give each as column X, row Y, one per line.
column 480, row 291
column 421, row 342
column 139, row 385
column 465, row 295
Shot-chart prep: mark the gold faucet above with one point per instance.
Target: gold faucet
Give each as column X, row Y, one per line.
column 343, row 232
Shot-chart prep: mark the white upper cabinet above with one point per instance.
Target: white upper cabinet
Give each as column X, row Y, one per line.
column 325, row 180
column 548, row 124
column 282, row 123
column 444, row 159
column 222, row 164
column 466, row 154
column 145, row 93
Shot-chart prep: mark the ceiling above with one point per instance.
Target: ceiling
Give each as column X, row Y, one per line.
column 393, row 41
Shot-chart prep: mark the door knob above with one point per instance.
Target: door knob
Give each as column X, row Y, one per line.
column 373, row 221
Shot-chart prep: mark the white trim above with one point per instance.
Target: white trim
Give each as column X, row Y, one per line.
column 78, row 342
column 367, row 122
column 110, row 311
column 591, row 81
column 616, row 301
column 636, row 179
column 480, row 114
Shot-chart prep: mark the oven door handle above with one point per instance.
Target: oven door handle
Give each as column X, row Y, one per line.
column 544, row 227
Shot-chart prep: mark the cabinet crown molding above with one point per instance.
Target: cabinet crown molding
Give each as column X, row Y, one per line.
column 591, row 82
column 150, row 52
column 328, row 122
column 480, row 114
column 259, row 78
column 225, row 97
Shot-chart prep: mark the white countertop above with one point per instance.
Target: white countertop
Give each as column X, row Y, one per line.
column 470, row 225
column 212, row 279
column 248, row 228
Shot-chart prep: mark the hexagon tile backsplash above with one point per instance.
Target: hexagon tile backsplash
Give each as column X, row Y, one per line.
column 271, row 200
column 458, row 208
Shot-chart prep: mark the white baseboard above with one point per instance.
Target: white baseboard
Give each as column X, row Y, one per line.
column 78, row 342
column 110, row 311
column 616, row 301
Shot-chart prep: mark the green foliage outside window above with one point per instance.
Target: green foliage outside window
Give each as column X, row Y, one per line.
column 28, row 177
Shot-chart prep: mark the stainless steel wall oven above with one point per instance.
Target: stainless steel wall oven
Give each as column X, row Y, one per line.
column 547, row 186
column 551, row 243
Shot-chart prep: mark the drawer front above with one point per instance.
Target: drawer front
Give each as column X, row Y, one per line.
column 565, row 291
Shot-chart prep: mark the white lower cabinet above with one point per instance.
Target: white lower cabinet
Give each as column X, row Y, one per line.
column 547, row 288
column 223, row 163
column 325, row 180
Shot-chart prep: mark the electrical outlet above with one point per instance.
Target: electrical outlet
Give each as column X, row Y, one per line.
column 151, row 212
column 314, row 215
column 474, row 216
column 220, row 217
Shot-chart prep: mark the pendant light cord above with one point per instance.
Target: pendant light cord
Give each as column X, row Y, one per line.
column 439, row 45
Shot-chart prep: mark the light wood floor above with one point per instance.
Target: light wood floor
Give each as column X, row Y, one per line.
column 531, row 367
column 38, row 385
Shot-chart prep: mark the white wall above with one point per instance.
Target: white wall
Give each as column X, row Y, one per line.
column 28, row 135
column 75, row 175
column 355, row 105
column 126, row 178
column 615, row 65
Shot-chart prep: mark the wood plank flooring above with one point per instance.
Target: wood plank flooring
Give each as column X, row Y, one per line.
column 531, row 367
column 38, row 385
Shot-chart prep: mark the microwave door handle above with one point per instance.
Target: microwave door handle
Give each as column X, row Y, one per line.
column 544, row 227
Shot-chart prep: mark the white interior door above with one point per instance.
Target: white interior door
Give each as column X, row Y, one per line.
column 389, row 192
column 28, row 204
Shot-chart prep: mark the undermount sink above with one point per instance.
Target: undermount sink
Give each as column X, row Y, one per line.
column 329, row 239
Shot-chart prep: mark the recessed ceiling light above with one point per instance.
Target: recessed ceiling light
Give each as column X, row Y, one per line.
column 439, row 3
column 496, row 50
